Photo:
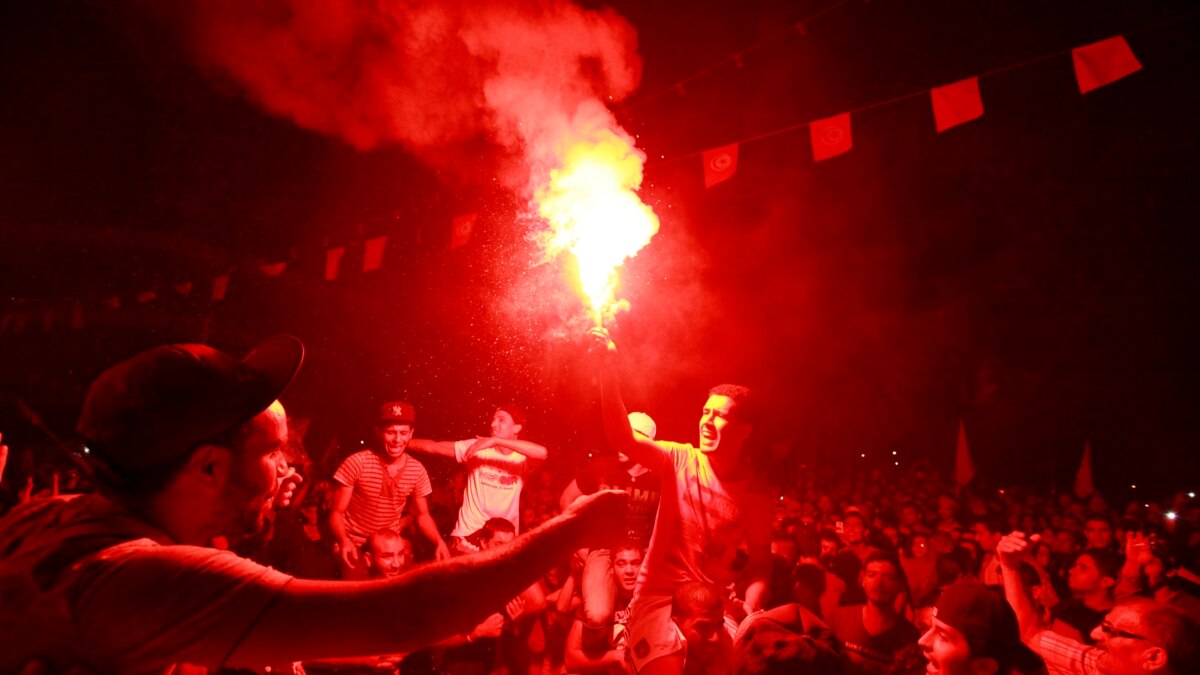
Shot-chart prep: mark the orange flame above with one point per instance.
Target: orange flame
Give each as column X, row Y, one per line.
column 593, row 210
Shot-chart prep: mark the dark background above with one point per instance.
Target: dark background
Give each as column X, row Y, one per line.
column 1031, row 273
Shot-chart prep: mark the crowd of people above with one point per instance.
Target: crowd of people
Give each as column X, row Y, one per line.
column 194, row 533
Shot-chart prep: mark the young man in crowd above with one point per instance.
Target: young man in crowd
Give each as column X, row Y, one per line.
column 496, row 469
column 698, row 614
column 1092, row 581
column 187, row 445
column 386, row 554
column 1136, row 636
column 974, row 632
column 1100, row 532
column 711, row 504
column 373, row 487
column 609, row 657
column 872, row 634
column 598, row 589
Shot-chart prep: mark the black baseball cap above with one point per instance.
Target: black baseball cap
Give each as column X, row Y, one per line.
column 148, row 412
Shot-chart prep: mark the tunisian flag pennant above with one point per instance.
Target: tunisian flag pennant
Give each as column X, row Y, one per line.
column 373, row 253
column 1083, row 476
column 1103, row 62
column 831, row 136
column 220, row 285
column 461, row 229
column 956, row 104
column 333, row 262
column 720, row 164
column 964, row 468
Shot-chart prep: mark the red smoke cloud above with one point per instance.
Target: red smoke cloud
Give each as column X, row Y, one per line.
column 424, row 74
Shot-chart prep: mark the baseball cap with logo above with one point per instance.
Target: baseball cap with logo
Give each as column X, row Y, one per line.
column 397, row 412
column 147, row 413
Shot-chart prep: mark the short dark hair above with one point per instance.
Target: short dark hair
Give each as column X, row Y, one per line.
column 516, row 412
column 878, row 556
column 1106, row 561
column 492, row 527
column 694, row 596
column 743, row 400
column 1175, row 631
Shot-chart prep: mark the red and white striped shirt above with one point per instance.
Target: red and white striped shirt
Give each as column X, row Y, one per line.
column 378, row 499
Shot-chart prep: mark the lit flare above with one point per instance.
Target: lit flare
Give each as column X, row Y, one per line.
column 593, row 210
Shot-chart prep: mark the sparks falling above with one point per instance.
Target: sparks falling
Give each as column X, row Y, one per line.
column 591, row 205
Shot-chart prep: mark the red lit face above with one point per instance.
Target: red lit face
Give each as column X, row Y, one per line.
column 503, row 425
column 256, row 473
column 395, row 438
column 717, row 425
column 626, row 564
column 881, row 582
column 945, row 650
column 389, row 556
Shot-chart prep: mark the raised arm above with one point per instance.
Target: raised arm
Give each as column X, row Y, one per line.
column 443, row 448
column 612, row 407
column 312, row 620
column 1012, row 549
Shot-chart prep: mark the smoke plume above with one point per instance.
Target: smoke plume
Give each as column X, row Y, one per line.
column 425, row 75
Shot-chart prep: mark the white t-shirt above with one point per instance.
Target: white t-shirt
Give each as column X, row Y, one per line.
column 494, row 482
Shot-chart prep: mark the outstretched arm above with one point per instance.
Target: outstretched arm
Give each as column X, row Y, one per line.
column 443, row 448
column 616, row 418
column 313, row 620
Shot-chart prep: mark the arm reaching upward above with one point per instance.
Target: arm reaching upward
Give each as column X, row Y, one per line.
column 616, row 418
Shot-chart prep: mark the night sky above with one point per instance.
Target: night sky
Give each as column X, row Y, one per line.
column 1032, row 273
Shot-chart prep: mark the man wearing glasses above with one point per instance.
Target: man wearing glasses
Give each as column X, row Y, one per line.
column 1137, row 636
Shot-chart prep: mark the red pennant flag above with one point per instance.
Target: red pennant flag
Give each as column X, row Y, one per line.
column 373, row 255
column 720, row 164
column 113, row 303
column 956, row 104
column 77, row 316
column 1083, row 476
column 273, row 269
column 1103, row 62
column 461, row 229
column 333, row 262
column 831, row 136
column 184, row 289
column 964, row 468
column 220, row 285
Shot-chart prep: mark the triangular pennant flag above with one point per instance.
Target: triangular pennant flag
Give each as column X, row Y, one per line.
column 273, row 269
column 1103, row 62
column 48, row 320
column 831, row 136
column 113, row 303
column 1083, row 476
column 333, row 262
column 720, row 164
column 956, row 104
column 964, row 468
column 184, row 289
column 146, row 296
column 77, row 316
column 220, row 285
column 373, row 253
column 461, row 229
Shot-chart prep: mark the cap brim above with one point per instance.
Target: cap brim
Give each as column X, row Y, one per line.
column 277, row 359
